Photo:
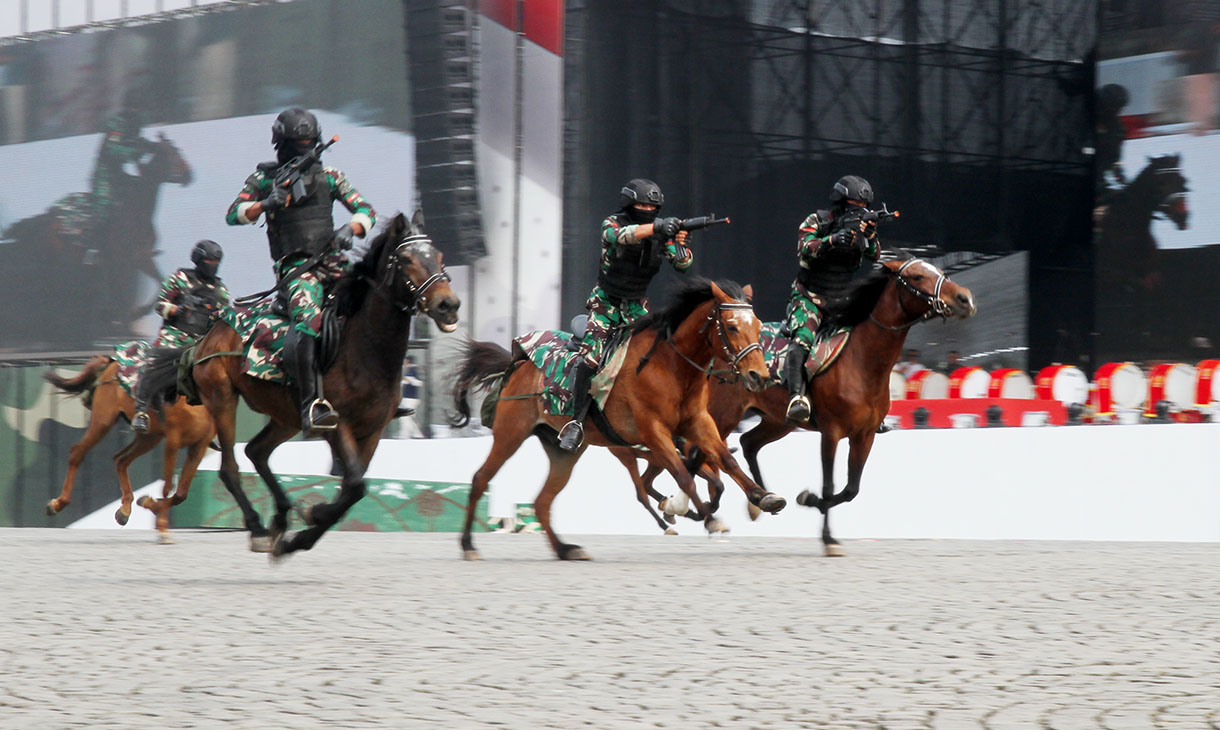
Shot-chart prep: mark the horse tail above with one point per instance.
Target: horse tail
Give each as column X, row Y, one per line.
column 484, row 364
column 84, row 381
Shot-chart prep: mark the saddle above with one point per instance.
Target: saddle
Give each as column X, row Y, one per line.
column 262, row 328
column 828, row 344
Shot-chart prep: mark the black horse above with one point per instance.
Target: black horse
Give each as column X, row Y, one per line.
column 57, row 286
column 1126, row 249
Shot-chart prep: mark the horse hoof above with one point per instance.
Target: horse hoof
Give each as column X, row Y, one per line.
column 120, row 517
column 306, row 514
column 772, row 503
column 716, row 527
column 260, row 544
column 753, row 511
column 52, row 508
column 806, row 499
column 146, row 502
column 671, row 519
column 671, row 531
column 165, row 538
column 471, row 554
column 834, row 550
column 574, row 552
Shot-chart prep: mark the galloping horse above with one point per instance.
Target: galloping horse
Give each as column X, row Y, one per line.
column 401, row 274
column 850, row 398
column 1125, row 243
column 183, row 426
column 665, row 396
column 100, row 267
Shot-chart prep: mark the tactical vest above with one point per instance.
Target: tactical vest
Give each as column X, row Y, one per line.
column 199, row 305
column 631, row 268
column 831, row 273
column 305, row 227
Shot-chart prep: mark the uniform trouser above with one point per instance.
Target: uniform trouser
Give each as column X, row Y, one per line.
column 804, row 318
column 605, row 316
column 305, row 294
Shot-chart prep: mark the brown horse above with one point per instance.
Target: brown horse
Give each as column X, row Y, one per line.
column 665, row 396
column 182, row 426
column 851, row 397
column 401, row 274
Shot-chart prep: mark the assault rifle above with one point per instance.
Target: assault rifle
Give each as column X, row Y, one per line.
column 870, row 216
column 703, row 221
column 288, row 175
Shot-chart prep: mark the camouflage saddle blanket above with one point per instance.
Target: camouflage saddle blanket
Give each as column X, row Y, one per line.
column 262, row 330
column 828, row 344
column 131, row 358
column 553, row 352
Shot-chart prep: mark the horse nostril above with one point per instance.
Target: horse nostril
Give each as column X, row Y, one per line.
column 447, row 306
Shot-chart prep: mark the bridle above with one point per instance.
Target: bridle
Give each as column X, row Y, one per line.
column 936, row 306
column 733, row 356
column 415, row 293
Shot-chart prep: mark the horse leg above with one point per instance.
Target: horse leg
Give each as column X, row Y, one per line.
column 352, row 489
column 507, row 436
column 194, row 455
column 225, row 415
column 556, row 479
column 717, row 451
column 259, row 451
column 830, row 445
column 753, row 440
column 99, row 426
column 660, row 442
column 646, row 480
column 627, row 458
column 143, row 443
column 860, row 446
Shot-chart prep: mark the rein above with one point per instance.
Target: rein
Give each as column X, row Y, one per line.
column 936, row 307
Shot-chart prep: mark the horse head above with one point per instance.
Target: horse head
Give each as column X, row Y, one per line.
column 1168, row 189
column 417, row 273
column 166, row 164
column 925, row 292
column 738, row 330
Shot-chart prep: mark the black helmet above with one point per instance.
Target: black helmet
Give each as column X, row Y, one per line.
column 295, row 124
column 851, row 187
column 206, row 256
column 644, row 191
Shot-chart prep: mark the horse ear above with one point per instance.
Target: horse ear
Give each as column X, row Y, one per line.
column 417, row 220
column 748, row 290
column 718, row 293
column 398, row 224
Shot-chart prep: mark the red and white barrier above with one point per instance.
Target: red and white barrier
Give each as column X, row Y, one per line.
column 969, row 382
column 1010, row 383
column 1118, row 386
column 1065, row 383
column 927, row 384
column 1207, row 383
column 1171, row 382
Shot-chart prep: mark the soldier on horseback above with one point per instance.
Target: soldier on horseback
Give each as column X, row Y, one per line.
column 832, row 245
column 306, row 247
column 190, row 301
column 634, row 244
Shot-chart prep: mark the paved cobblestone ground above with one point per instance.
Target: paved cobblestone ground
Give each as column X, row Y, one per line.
column 108, row 630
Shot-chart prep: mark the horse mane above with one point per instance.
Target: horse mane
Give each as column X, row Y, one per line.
column 860, row 296
column 354, row 286
column 686, row 295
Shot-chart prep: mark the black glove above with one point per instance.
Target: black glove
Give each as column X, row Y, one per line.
column 843, row 238
column 343, row 236
column 275, row 200
column 666, row 227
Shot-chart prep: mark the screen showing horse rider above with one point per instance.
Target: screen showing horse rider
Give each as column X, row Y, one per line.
column 126, row 147
column 1157, row 205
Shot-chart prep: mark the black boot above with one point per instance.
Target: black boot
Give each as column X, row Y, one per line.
column 140, row 421
column 794, row 372
column 300, row 363
column 573, row 433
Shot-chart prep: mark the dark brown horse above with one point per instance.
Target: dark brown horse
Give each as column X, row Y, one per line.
column 664, row 397
column 850, row 398
column 101, row 267
column 401, row 274
column 183, row 426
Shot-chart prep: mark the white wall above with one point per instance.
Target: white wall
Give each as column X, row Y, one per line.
column 1146, row 482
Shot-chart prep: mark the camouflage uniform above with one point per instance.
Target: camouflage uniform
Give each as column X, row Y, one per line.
column 607, row 313
column 813, row 247
column 121, row 144
column 304, row 293
column 175, row 290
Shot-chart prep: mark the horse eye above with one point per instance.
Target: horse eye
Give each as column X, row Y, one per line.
column 917, row 277
column 733, row 328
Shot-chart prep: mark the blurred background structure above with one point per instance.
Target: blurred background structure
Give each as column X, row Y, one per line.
column 1055, row 156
